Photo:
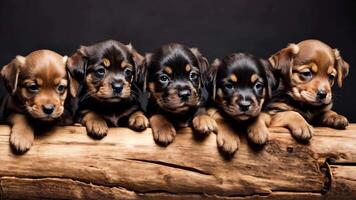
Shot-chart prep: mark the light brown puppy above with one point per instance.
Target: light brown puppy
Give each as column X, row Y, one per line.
column 308, row 71
column 37, row 86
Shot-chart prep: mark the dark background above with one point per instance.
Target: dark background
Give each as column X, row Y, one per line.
column 216, row 27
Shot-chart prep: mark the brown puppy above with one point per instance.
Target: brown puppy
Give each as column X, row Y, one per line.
column 37, row 86
column 175, row 77
column 107, row 71
column 308, row 70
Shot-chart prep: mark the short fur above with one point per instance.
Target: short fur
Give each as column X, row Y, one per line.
column 240, row 85
column 174, row 76
column 107, row 73
column 37, row 90
column 308, row 71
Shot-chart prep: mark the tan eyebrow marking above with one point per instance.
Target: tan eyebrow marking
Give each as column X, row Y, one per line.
column 125, row 64
column 314, row 67
column 331, row 70
column 106, row 62
column 188, row 67
column 254, row 77
column 39, row 81
column 168, row 70
column 233, row 78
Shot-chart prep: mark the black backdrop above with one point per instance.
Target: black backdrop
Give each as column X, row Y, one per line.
column 216, row 27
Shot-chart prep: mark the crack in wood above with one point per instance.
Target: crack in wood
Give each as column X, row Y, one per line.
column 191, row 169
column 155, row 192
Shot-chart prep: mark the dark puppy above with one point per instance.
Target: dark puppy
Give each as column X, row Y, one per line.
column 308, row 70
column 107, row 71
column 175, row 79
column 37, row 86
column 241, row 84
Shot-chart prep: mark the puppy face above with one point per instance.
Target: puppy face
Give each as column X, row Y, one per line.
column 174, row 77
column 241, row 85
column 40, row 82
column 310, row 69
column 107, row 68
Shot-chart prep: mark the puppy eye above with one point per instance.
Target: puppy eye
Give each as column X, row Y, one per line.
column 331, row 78
column 61, row 88
column 163, row 78
column 259, row 86
column 128, row 72
column 306, row 75
column 32, row 88
column 100, row 72
column 193, row 76
column 228, row 86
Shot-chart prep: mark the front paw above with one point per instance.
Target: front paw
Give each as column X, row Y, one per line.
column 258, row 134
column 138, row 122
column 97, row 129
column 228, row 143
column 164, row 134
column 204, row 124
column 335, row 121
column 21, row 140
column 302, row 131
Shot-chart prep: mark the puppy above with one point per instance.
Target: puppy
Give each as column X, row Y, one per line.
column 240, row 85
column 107, row 71
column 175, row 75
column 308, row 71
column 37, row 88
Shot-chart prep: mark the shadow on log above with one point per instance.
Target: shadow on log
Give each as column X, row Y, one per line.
column 66, row 164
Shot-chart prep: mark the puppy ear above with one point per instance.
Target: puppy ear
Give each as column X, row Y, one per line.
column 142, row 71
column 282, row 61
column 73, row 84
column 10, row 73
column 271, row 79
column 342, row 67
column 137, row 58
column 76, row 69
column 212, row 72
column 203, row 64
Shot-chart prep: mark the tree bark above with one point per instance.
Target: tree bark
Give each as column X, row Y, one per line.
column 65, row 163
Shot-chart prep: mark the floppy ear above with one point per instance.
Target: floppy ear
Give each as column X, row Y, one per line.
column 76, row 70
column 203, row 64
column 282, row 61
column 10, row 73
column 271, row 79
column 142, row 71
column 342, row 67
column 212, row 72
column 137, row 58
column 73, row 84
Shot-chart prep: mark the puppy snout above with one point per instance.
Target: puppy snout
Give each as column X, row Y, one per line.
column 321, row 94
column 117, row 87
column 184, row 94
column 244, row 105
column 48, row 108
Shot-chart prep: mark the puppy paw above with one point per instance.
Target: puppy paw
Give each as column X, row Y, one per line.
column 228, row 143
column 258, row 134
column 302, row 131
column 163, row 131
column 335, row 121
column 21, row 140
column 96, row 126
column 138, row 121
column 204, row 124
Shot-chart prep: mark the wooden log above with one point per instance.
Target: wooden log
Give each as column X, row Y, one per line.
column 66, row 164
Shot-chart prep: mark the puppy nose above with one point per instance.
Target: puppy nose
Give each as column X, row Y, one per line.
column 184, row 94
column 321, row 94
column 117, row 87
column 244, row 105
column 48, row 108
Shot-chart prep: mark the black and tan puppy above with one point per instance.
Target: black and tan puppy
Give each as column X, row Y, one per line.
column 37, row 89
column 175, row 79
column 308, row 71
column 107, row 71
column 241, row 84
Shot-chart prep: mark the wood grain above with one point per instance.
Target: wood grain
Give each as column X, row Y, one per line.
column 65, row 163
